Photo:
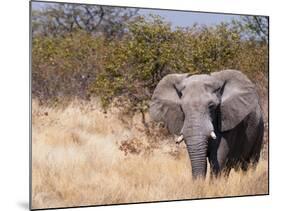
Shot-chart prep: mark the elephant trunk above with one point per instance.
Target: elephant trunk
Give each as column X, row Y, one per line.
column 197, row 150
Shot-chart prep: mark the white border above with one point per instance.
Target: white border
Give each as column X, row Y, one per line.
column 14, row 108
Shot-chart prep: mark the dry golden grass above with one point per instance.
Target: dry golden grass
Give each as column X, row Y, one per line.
column 81, row 156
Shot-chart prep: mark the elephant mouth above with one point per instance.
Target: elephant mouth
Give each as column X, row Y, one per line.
column 180, row 138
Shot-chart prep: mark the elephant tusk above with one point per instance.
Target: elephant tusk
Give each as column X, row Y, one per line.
column 213, row 135
column 179, row 139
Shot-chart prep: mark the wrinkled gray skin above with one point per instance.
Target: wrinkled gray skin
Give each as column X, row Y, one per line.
column 225, row 102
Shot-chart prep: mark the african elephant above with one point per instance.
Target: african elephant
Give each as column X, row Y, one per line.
column 217, row 115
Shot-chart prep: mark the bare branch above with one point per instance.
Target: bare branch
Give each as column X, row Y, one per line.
column 77, row 22
column 259, row 24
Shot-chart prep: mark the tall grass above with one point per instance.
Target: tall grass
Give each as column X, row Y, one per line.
column 83, row 156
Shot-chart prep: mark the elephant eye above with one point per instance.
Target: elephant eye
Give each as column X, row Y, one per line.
column 212, row 106
column 178, row 91
column 217, row 89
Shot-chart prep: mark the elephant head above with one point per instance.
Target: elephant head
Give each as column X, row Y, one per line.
column 199, row 107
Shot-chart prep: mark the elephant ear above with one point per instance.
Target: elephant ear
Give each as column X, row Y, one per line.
column 165, row 104
column 239, row 97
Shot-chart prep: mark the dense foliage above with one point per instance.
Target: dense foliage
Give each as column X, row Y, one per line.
column 126, row 69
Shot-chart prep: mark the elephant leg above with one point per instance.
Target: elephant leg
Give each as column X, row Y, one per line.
column 254, row 132
column 257, row 149
column 212, row 157
column 218, row 152
column 214, row 166
column 245, row 165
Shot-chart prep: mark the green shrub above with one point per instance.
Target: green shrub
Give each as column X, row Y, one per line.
column 137, row 62
column 64, row 66
column 129, row 67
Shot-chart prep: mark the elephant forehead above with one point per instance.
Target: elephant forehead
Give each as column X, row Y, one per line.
column 198, row 89
column 199, row 79
column 199, row 83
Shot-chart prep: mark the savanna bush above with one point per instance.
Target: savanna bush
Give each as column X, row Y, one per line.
column 65, row 66
column 125, row 70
